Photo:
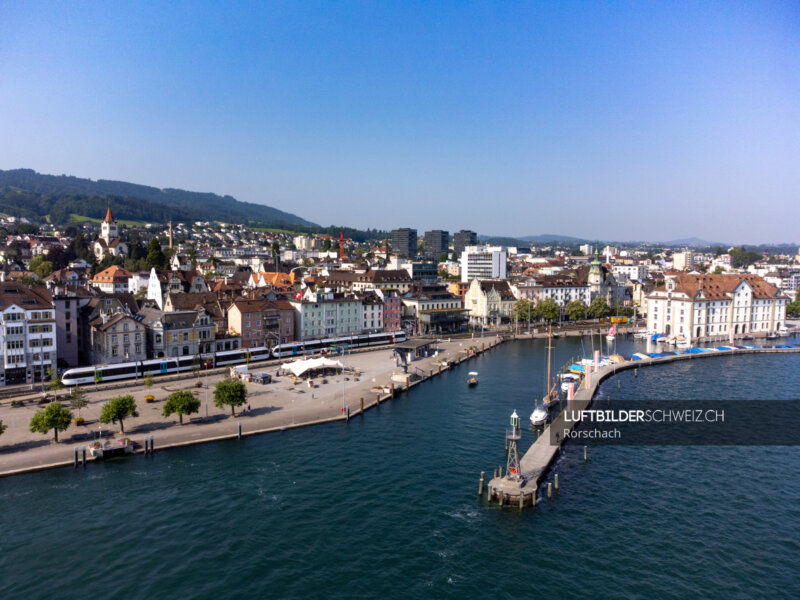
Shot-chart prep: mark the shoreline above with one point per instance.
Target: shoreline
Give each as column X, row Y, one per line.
column 37, row 454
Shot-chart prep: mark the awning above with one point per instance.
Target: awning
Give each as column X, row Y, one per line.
column 299, row 367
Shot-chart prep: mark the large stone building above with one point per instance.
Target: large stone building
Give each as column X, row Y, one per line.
column 27, row 333
column 699, row 306
column 489, row 302
column 326, row 314
column 118, row 338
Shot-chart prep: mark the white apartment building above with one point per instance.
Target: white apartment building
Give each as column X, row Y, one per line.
column 683, row 261
column 628, row 272
column 372, row 311
column 482, row 262
column 326, row 314
column 27, row 333
column 712, row 306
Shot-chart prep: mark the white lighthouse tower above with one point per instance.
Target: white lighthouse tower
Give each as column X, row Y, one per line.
column 513, row 436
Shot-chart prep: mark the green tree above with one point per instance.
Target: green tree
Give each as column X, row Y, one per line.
column 599, row 308
column 54, row 417
column 77, row 399
column 155, row 256
column 719, row 271
column 230, row 392
column 793, row 309
column 41, row 266
column 276, row 255
column 797, row 295
column 443, row 257
column 148, row 381
column 2, row 428
column 576, row 310
column 524, row 311
column 548, row 309
column 118, row 409
column 181, row 403
column 55, row 382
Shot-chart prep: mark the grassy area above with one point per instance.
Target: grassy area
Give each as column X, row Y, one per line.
column 75, row 219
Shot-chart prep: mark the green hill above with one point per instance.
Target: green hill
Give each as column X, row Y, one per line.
column 26, row 193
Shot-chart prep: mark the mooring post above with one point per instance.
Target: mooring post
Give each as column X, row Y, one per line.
column 495, row 472
column 76, row 457
column 240, row 429
column 362, row 407
column 500, row 470
column 480, row 485
column 549, row 490
column 585, row 453
column 393, row 390
column 636, row 372
column 83, row 448
column 347, row 414
column 521, row 500
column 152, row 445
column 556, row 481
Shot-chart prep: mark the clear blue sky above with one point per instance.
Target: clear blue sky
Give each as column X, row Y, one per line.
column 601, row 120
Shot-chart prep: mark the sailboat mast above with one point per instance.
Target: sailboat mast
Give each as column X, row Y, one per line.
column 549, row 346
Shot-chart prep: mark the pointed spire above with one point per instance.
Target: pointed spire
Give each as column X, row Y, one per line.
column 109, row 217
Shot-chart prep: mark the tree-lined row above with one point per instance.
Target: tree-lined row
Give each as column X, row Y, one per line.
column 57, row 417
column 547, row 309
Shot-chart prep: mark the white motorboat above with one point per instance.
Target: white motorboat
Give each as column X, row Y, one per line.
column 640, row 335
column 473, row 379
column 683, row 344
column 783, row 331
column 569, row 377
column 565, row 385
column 539, row 416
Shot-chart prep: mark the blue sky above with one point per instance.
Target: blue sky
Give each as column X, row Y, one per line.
column 608, row 120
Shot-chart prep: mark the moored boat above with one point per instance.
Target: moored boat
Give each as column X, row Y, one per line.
column 472, row 380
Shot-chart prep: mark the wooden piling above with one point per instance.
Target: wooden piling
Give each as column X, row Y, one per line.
column 521, row 500
column 393, row 390
column 585, row 453
column 76, row 457
column 480, row 485
column 83, row 448
column 362, row 407
column 239, row 427
column 556, row 481
column 500, row 471
column 549, row 490
column 152, row 445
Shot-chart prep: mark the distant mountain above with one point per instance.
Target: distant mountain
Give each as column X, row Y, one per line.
column 693, row 241
column 527, row 240
column 25, row 192
column 551, row 237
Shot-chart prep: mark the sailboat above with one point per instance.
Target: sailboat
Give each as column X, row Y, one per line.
column 540, row 413
column 612, row 333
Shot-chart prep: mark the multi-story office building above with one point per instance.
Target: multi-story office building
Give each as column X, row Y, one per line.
column 481, row 262
column 708, row 306
column 404, row 241
column 683, row 261
column 436, row 242
column 462, row 239
column 27, row 333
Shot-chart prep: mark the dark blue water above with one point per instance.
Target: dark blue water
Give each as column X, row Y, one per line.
column 386, row 506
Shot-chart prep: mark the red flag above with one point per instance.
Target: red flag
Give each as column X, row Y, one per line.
column 298, row 295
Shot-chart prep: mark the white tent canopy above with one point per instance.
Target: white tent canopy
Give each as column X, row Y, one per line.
column 299, row 367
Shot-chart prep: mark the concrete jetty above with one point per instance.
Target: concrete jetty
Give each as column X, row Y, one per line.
column 536, row 462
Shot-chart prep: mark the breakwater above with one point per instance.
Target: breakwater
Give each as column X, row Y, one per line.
column 537, row 461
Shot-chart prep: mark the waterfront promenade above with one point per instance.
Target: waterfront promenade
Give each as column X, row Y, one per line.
column 274, row 407
column 537, row 461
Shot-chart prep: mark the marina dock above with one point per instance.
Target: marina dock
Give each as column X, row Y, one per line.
column 537, row 461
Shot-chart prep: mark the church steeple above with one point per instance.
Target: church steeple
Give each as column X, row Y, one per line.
column 109, row 217
column 596, row 271
column 108, row 228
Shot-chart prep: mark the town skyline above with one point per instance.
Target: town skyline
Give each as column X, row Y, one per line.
column 609, row 120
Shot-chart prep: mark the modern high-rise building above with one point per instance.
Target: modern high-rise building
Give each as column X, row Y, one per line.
column 404, row 241
column 436, row 242
column 462, row 239
column 483, row 262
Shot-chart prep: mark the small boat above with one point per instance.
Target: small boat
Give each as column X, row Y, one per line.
column 107, row 449
column 565, row 385
column 569, row 377
column 473, row 379
column 640, row 335
column 683, row 344
column 539, row 416
column 783, row 331
column 772, row 335
column 612, row 333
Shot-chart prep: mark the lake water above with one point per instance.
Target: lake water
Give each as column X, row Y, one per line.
column 386, row 506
